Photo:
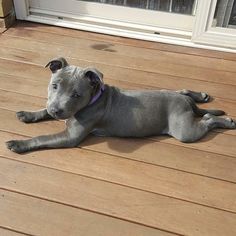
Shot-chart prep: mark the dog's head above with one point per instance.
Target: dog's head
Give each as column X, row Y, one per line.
column 71, row 88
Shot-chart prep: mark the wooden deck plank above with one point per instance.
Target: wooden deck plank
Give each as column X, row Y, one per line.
column 126, row 186
column 147, row 177
column 40, row 56
column 13, row 100
column 8, row 232
column 26, row 86
column 214, row 142
column 20, row 39
column 2, row 30
column 9, row 123
column 164, row 154
column 39, row 217
column 37, row 72
column 134, row 205
column 171, row 156
column 124, row 41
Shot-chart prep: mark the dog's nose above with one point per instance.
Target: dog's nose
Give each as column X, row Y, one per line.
column 56, row 111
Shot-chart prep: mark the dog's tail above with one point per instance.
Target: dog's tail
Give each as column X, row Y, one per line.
column 201, row 112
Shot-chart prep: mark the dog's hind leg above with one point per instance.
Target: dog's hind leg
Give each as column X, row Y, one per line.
column 196, row 96
column 188, row 129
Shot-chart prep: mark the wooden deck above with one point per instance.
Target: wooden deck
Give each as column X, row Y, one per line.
column 110, row 186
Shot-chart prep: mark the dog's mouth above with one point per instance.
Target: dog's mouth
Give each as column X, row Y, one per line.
column 57, row 114
column 56, row 117
column 60, row 117
column 60, row 113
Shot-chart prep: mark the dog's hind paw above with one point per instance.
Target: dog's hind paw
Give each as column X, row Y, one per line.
column 231, row 123
column 205, row 97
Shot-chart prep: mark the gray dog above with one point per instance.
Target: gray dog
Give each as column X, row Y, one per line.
column 79, row 96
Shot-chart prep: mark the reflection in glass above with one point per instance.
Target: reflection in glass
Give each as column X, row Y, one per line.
column 225, row 14
column 187, row 7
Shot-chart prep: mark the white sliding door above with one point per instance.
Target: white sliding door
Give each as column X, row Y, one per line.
column 196, row 23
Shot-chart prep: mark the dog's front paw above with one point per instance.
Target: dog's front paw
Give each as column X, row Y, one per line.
column 25, row 116
column 18, row 146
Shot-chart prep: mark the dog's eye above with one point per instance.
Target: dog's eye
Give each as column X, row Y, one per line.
column 54, row 86
column 75, row 95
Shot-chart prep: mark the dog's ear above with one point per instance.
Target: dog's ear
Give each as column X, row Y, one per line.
column 57, row 64
column 95, row 77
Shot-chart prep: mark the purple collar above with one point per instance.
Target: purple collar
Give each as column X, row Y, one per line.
column 97, row 96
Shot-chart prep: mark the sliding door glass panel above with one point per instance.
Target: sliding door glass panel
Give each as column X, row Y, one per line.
column 225, row 14
column 150, row 15
column 176, row 6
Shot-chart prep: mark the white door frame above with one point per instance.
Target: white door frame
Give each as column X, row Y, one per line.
column 203, row 36
column 205, row 33
column 21, row 9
